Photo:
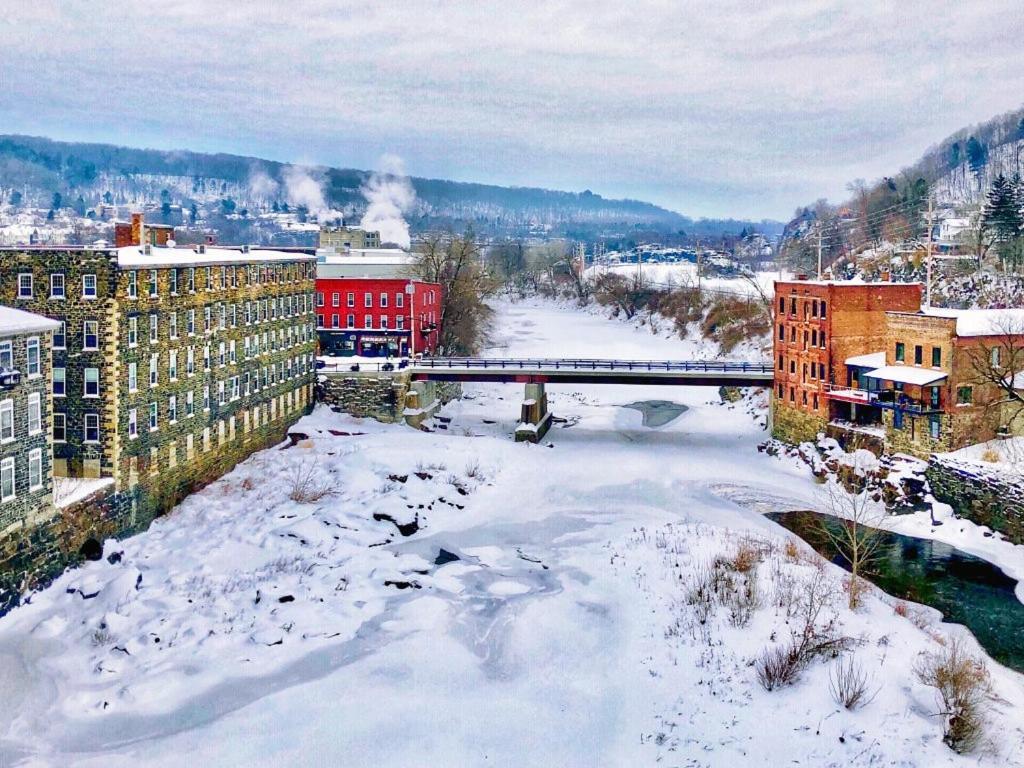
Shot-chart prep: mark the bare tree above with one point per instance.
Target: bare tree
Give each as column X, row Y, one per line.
column 997, row 366
column 852, row 525
column 455, row 262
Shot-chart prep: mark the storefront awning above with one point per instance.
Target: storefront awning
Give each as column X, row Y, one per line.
column 906, row 374
column 873, row 360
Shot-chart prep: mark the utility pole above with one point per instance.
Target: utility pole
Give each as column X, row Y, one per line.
column 410, row 290
column 698, row 268
column 928, row 259
column 819, row 251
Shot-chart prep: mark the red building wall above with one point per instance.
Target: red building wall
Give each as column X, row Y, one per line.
column 378, row 308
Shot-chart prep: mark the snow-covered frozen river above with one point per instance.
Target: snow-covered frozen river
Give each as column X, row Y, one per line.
column 247, row 629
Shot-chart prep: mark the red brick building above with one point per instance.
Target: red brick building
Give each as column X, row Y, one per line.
column 377, row 316
column 820, row 327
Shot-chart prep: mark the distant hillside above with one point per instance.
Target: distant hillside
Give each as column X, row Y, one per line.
column 957, row 173
column 33, row 169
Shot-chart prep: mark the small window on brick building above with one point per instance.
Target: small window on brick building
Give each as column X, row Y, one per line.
column 964, row 395
column 900, row 352
column 782, row 306
column 936, row 357
column 994, row 357
column 814, row 338
column 815, row 404
column 792, row 395
column 814, row 308
column 792, row 366
column 822, row 310
column 782, row 365
column 935, row 428
column 782, row 333
column 918, row 354
column 780, row 391
column 792, row 306
column 821, row 371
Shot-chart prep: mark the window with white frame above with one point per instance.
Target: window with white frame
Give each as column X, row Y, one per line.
column 399, row 299
column 25, row 285
column 190, row 361
column 153, row 274
column 367, row 299
column 6, row 354
column 172, row 327
column 91, row 427
column 6, row 420
column 334, row 321
column 35, row 414
column 133, row 377
column 90, row 335
column 190, row 403
column 133, row 422
column 335, row 299
column 153, row 417
column 383, row 321
column 400, row 322
column 7, row 479
column 367, row 321
column 56, row 285
column 60, row 433
column 88, row 286
column 133, row 331
column 60, row 337
column 383, row 300
column 173, row 275
column 154, row 328
column 132, row 287
column 59, row 382
column 154, row 364
column 172, row 365
column 206, row 397
column 91, row 386
column 350, row 300
column 191, row 322
column 35, row 469
column 172, row 409
column 32, row 361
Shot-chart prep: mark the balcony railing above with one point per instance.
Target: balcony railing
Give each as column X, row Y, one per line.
column 890, row 399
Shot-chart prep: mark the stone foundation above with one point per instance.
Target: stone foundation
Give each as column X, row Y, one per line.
column 389, row 397
column 794, row 426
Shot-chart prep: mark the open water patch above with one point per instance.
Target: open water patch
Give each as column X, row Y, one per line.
column 658, row 413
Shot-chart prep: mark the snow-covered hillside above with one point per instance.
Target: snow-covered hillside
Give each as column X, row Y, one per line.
column 458, row 599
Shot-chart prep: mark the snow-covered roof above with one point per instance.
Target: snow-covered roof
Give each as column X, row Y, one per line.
column 17, row 321
column 872, row 360
column 982, row 322
column 361, row 256
column 906, row 374
column 858, row 281
column 136, row 256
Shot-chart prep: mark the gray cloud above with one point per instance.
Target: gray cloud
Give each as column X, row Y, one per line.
column 711, row 108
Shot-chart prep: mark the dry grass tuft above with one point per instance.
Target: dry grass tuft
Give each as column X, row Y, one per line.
column 305, row 484
column 964, row 693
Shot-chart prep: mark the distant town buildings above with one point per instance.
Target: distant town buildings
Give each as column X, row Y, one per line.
column 340, row 239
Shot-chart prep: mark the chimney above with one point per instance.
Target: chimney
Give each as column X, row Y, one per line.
column 801, row 276
column 211, row 240
column 136, row 229
column 886, row 276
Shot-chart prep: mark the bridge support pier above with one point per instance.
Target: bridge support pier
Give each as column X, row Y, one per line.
column 535, row 420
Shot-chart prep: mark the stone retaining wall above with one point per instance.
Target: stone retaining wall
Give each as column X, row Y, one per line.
column 987, row 496
column 385, row 396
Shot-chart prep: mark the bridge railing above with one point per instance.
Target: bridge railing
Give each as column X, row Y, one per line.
column 593, row 364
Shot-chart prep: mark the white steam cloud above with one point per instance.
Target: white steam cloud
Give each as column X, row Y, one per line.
column 261, row 186
column 389, row 196
column 302, row 189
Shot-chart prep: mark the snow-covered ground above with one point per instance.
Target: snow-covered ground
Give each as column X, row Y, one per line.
column 685, row 273
column 249, row 629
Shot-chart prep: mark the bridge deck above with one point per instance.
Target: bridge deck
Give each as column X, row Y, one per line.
column 590, row 371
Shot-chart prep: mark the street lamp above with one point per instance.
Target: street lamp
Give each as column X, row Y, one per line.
column 410, row 290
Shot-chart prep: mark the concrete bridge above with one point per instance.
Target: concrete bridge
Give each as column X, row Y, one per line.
column 535, row 419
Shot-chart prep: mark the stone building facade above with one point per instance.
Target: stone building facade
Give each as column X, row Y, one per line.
column 177, row 362
column 26, row 477
column 344, row 238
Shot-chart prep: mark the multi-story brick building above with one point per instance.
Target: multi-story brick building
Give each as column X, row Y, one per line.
column 377, row 317
column 26, row 477
column 819, row 325
column 170, row 364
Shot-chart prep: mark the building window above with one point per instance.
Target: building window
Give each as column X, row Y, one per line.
column 25, row 285
column 133, row 377
column 206, row 397
column 172, row 365
column 399, row 299
column 35, row 469
column 154, row 328
column 383, row 321
column 173, row 275
column 897, row 419
column 133, row 423
column 821, row 308
column 172, row 409
column 936, row 357
column 35, row 414
column 6, row 420
column 782, row 332
column 60, row 337
column 334, row 321
column 383, row 300
column 6, row 354
column 91, row 427
column 90, row 336
column 91, row 387
column 191, row 322
column 88, row 286
column 350, row 321
column 59, row 380
column 994, row 357
column 335, row 299
column 900, row 352
column 57, row 285
column 59, row 428
column 964, row 395
column 190, row 361
column 350, row 299
column 191, row 279
column 7, row 479
column 934, row 426
column 172, row 327
column 153, row 417
column 918, row 354
column 133, row 284
column 154, row 362
column 367, row 299
column 32, row 364
column 782, row 306
column 133, row 331
column 400, row 322
column 319, row 300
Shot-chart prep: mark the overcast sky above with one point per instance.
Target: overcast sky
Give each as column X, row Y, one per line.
column 719, row 108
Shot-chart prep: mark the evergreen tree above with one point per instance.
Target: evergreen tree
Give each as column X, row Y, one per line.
column 954, row 156
column 193, row 212
column 80, row 206
column 57, row 200
column 16, row 198
column 1002, row 218
column 977, row 155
